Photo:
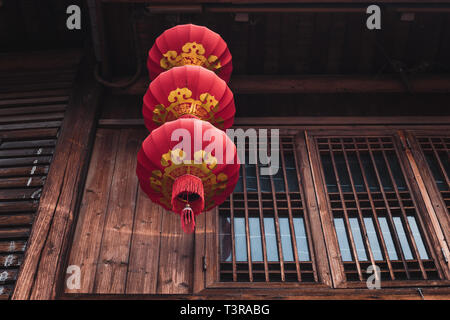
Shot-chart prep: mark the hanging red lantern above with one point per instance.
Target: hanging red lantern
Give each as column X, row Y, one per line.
column 188, row 90
column 190, row 44
column 188, row 166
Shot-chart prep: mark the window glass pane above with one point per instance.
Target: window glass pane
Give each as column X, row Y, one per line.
column 387, row 236
column 250, row 171
column 255, row 239
column 356, row 232
column 403, row 239
column 271, row 239
column 330, row 177
column 342, row 239
column 369, row 172
column 291, row 172
column 383, row 171
column 396, row 171
column 264, row 181
column 444, row 157
column 286, row 242
column 436, row 171
column 341, row 167
column 300, row 237
column 225, row 238
column 417, row 238
column 278, row 180
column 240, row 239
column 356, row 172
column 239, row 186
column 373, row 239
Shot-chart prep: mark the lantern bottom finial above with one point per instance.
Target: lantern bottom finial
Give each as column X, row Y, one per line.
column 188, row 219
column 188, row 199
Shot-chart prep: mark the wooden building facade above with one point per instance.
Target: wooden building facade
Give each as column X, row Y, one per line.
column 364, row 120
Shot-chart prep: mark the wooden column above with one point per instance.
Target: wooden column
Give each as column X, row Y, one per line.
column 55, row 220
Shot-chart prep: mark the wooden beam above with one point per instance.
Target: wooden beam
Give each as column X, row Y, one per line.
column 432, row 293
column 287, row 6
column 55, row 219
column 273, row 2
column 318, row 84
column 305, row 121
column 360, row 8
column 34, row 61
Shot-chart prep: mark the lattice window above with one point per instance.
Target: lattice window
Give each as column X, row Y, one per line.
column 376, row 218
column 437, row 155
column 264, row 228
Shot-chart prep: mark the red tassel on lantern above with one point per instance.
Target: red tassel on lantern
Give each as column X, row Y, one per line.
column 188, row 198
column 188, row 219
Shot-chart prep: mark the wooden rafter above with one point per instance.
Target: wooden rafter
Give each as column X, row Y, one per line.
column 249, row 84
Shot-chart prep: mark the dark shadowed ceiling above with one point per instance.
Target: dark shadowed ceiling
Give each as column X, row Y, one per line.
column 39, row 25
column 300, row 38
column 276, row 39
column 297, row 42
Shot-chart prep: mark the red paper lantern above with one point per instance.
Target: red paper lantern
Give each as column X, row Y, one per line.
column 190, row 45
column 188, row 90
column 192, row 174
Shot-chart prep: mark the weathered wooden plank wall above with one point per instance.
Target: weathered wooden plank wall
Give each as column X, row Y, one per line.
column 145, row 244
column 123, row 242
column 32, row 108
column 116, row 239
column 52, row 228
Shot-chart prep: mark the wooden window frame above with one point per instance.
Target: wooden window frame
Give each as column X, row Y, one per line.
column 211, row 260
column 317, row 204
column 428, row 187
column 339, row 279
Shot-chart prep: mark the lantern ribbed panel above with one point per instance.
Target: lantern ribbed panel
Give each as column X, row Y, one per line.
column 188, row 90
column 190, row 44
column 157, row 172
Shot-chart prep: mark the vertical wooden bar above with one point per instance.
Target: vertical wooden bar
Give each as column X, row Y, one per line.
column 233, row 246
column 344, row 207
column 261, row 224
column 300, row 166
column 291, row 220
column 326, row 219
column 212, row 258
column 277, row 229
column 200, row 260
column 247, row 229
column 388, row 209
